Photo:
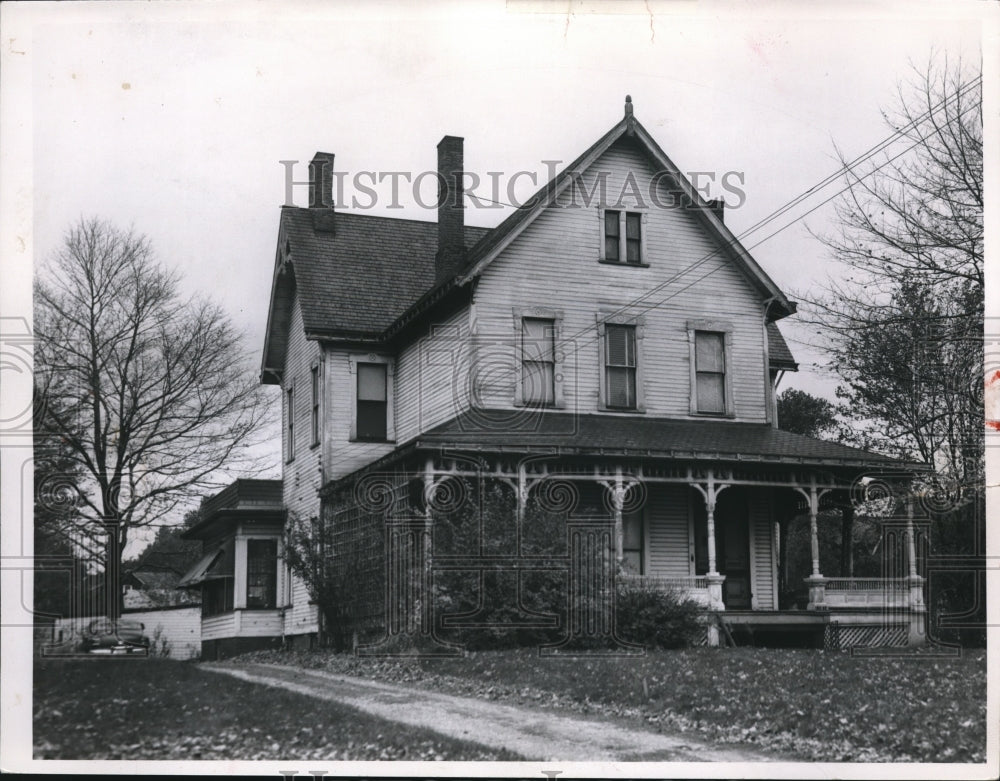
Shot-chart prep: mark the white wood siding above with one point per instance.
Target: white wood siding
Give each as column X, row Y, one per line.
column 667, row 536
column 431, row 377
column 762, row 529
column 303, row 476
column 258, row 623
column 217, row 627
column 554, row 263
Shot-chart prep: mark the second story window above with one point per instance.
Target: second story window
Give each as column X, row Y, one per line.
column 620, row 366
column 710, row 372
column 290, row 423
column 372, row 399
column 314, row 415
column 623, row 237
column 538, row 361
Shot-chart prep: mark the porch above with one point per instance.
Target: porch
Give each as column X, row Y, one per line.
column 713, row 534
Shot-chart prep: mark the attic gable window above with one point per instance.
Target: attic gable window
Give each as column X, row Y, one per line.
column 624, row 237
column 710, row 347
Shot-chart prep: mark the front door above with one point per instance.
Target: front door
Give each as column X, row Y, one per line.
column 732, row 540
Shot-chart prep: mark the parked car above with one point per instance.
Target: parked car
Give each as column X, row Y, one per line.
column 110, row 636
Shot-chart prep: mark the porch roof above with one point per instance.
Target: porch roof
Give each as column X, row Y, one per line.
column 566, row 433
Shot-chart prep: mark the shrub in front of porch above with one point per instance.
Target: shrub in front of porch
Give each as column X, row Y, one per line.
column 656, row 617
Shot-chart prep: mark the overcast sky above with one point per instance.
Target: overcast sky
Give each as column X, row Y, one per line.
column 174, row 117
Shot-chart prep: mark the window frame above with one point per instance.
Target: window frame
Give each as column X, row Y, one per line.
column 643, row 548
column 274, row 586
column 623, row 212
column 725, row 328
column 315, row 413
column 290, row 421
column 638, row 323
column 215, row 592
column 520, row 314
column 390, row 412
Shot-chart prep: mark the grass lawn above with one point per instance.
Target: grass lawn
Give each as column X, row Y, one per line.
column 816, row 705
column 161, row 709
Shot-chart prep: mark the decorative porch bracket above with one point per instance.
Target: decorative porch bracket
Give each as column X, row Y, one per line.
column 816, row 581
column 710, row 491
column 617, row 490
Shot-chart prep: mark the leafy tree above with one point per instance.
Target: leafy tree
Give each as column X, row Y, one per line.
column 803, row 413
column 168, row 549
column 150, row 390
column 905, row 328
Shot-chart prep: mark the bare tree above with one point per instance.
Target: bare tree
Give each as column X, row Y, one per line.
column 905, row 328
column 152, row 393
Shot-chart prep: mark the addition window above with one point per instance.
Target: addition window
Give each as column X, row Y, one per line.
column 711, row 384
column 538, row 366
column 216, row 596
column 372, row 402
column 262, row 573
column 620, row 366
column 314, row 420
column 290, row 422
column 624, row 237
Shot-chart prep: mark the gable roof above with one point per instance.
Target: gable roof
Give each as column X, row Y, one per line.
column 368, row 278
column 483, row 253
column 353, row 282
column 364, row 276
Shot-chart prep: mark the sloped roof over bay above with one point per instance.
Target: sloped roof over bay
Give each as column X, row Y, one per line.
column 566, row 433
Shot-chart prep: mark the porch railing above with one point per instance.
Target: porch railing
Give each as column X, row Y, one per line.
column 867, row 592
column 694, row 587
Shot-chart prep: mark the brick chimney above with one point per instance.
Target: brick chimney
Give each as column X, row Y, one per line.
column 321, row 191
column 718, row 207
column 451, row 209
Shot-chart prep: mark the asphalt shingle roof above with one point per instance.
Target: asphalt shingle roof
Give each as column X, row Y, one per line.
column 523, row 431
column 366, row 273
column 778, row 351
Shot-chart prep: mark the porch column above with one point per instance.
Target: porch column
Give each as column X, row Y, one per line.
column 712, row 578
column 918, row 610
column 847, row 540
column 522, row 496
column 618, row 499
column 816, row 583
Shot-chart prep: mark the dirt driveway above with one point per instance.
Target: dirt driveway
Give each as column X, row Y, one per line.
column 533, row 733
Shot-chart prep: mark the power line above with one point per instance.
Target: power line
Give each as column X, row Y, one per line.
column 785, row 208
